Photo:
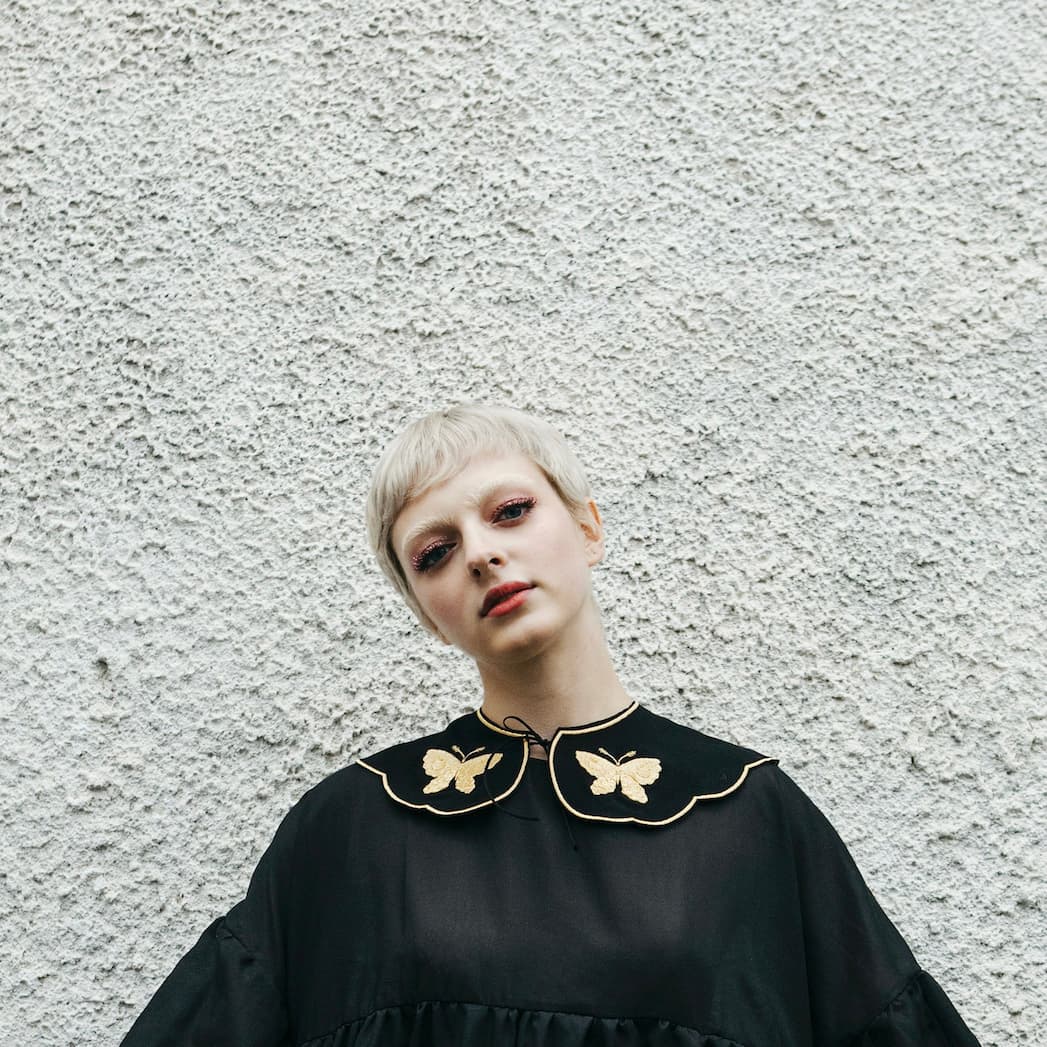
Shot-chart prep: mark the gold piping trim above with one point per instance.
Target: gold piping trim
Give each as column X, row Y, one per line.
column 429, row 807
column 645, row 821
column 563, row 730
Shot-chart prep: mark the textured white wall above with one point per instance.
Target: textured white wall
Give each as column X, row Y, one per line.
column 776, row 270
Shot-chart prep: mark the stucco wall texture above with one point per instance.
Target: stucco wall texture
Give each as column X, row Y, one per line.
column 775, row 270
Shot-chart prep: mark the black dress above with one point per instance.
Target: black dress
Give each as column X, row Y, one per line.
column 647, row 885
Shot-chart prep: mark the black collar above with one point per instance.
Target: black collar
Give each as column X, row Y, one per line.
column 634, row 766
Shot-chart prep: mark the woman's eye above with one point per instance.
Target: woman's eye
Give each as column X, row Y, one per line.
column 515, row 510
column 428, row 558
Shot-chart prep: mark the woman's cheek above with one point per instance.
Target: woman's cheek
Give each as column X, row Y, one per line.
column 447, row 607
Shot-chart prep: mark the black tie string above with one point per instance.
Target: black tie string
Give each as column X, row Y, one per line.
column 504, row 810
column 529, row 733
column 546, row 743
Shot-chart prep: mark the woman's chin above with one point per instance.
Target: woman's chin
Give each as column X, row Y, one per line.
column 522, row 643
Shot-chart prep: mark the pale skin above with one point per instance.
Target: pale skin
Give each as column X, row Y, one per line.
column 500, row 520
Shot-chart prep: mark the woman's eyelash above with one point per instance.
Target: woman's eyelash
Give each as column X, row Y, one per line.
column 516, row 503
column 422, row 561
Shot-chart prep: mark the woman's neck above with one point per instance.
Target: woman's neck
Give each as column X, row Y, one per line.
column 572, row 682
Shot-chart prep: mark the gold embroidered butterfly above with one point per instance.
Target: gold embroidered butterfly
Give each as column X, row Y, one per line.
column 632, row 775
column 445, row 767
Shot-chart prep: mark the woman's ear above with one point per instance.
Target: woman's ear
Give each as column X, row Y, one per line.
column 592, row 530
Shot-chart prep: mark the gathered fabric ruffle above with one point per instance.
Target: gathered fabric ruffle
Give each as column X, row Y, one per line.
column 440, row 1023
column 921, row 1015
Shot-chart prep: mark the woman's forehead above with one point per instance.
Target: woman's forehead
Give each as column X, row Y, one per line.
column 479, row 471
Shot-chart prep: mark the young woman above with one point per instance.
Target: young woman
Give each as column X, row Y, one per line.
column 560, row 867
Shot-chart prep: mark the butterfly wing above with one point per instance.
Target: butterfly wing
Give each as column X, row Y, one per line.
column 638, row 773
column 465, row 776
column 442, row 767
column 603, row 771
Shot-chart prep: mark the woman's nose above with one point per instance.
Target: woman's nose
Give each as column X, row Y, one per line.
column 480, row 563
column 482, row 554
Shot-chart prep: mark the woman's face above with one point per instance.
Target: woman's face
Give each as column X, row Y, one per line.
column 497, row 521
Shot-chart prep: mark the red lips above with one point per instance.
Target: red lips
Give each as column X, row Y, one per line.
column 500, row 592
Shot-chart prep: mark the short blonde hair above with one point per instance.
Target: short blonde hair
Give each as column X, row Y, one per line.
column 435, row 447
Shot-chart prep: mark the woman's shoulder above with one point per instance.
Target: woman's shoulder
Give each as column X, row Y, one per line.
column 695, row 743
column 340, row 789
column 354, row 781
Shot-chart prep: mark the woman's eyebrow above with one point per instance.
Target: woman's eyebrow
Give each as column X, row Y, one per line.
column 436, row 523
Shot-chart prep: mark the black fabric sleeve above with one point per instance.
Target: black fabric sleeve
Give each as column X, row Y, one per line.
column 865, row 987
column 921, row 1014
column 228, row 989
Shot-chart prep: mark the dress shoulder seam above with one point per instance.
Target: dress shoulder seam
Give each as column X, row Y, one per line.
column 256, row 956
column 906, row 985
